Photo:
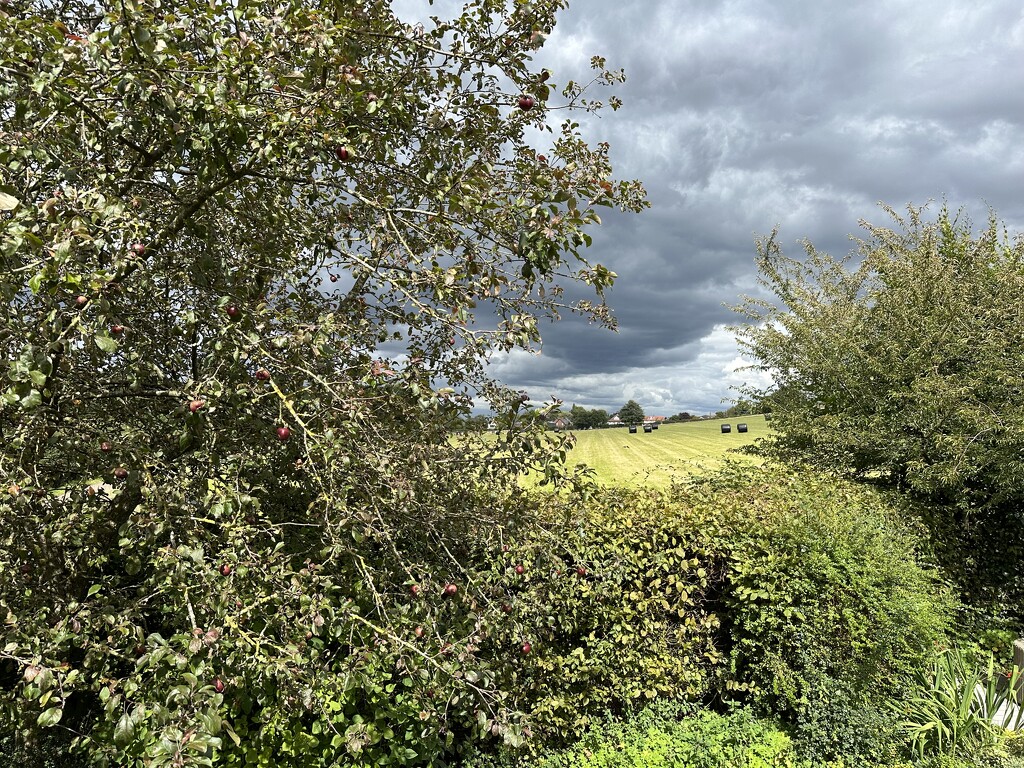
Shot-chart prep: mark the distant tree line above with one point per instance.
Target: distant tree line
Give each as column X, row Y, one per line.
column 681, row 417
column 579, row 417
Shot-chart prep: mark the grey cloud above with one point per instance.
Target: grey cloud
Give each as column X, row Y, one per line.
column 742, row 115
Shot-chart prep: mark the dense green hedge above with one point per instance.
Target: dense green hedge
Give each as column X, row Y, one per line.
column 674, row 737
column 798, row 595
column 668, row 735
column 827, row 612
column 616, row 607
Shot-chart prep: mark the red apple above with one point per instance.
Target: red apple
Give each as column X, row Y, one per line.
column 526, row 648
column 81, row 301
column 526, row 103
column 283, row 433
column 520, row 570
column 195, row 405
column 506, row 608
column 450, row 589
column 233, row 312
column 262, row 375
column 343, row 153
column 138, row 248
column 106, row 447
column 415, row 590
column 419, row 631
column 225, row 570
column 120, row 473
column 117, row 330
column 218, row 685
column 334, row 278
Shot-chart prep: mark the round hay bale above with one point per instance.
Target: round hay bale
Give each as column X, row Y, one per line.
column 741, row 427
column 726, row 428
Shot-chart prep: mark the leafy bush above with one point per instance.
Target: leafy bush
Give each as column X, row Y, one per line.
column 798, row 595
column 614, row 604
column 253, row 260
column 902, row 363
column 827, row 613
column 676, row 736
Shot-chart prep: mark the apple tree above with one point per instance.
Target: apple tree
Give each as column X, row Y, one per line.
column 255, row 257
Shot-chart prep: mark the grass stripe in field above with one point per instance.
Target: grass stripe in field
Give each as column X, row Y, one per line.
column 673, row 450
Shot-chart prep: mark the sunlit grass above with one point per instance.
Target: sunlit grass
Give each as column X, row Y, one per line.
column 671, row 451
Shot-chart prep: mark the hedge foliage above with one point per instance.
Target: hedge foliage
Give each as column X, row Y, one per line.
column 798, row 596
column 668, row 735
column 661, row 737
column 901, row 362
column 801, row 596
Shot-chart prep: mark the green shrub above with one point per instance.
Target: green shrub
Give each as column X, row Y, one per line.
column 46, row 750
column 826, row 611
column 798, row 595
column 614, row 605
column 674, row 736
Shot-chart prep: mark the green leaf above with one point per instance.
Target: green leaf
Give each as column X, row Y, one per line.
column 32, row 400
column 8, row 202
column 50, row 717
column 124, row 731
column 106, row 344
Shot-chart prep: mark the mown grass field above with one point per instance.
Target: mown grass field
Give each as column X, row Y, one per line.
column 671, row 451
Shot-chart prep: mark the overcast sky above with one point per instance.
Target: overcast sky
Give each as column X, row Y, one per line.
column 744, row 115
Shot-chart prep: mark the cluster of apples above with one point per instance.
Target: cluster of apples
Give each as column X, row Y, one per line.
column 450, row 590
column 194, row 406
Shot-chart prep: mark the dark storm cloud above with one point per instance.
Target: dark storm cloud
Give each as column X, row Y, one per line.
column 741, row 116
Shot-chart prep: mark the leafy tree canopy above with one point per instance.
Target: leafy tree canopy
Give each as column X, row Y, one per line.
column 903, row 363
column 631, row 413
column 681, row 416
column 588, row 418
column 254, row 258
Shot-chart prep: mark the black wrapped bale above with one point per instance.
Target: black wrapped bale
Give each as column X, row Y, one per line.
column 741, row 427
column 726, row 428
column 648, row 428
column 632, row 429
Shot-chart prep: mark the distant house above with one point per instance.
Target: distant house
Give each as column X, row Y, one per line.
column 653, row 419
column 561, row 423
column 615, row 421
